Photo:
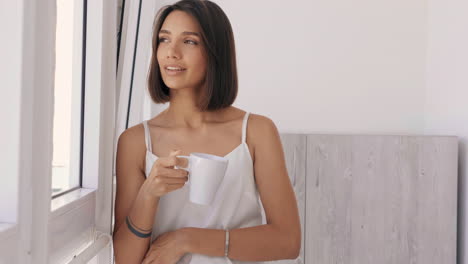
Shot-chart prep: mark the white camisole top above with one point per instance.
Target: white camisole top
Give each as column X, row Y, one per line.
column 236, row 203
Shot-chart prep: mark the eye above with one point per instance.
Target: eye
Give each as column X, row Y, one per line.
column 191, row 42
column 161, row 40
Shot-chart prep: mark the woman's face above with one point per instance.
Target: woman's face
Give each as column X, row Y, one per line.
column 180, row 46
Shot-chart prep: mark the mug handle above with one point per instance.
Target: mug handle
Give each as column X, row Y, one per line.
column 186, row 169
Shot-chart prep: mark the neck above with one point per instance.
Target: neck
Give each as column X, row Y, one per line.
column 183, row 112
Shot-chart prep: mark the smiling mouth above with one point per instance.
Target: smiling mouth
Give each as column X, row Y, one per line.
column 175, row 69
column 174, row 72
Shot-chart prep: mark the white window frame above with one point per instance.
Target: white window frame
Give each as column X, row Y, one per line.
column 46, row 230
column 134, row 61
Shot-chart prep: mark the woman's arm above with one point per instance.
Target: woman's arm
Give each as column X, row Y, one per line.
column 128, row 248
column 258, row 243
column 280, row 238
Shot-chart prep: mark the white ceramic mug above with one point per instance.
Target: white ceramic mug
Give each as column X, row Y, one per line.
column 206, row 172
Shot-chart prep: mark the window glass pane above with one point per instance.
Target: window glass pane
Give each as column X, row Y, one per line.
column 67, row 109
column 11, row 46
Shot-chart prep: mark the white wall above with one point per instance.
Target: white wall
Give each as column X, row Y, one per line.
column 332, row 66
column 446, row 110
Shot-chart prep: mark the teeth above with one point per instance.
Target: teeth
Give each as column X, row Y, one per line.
column 174, row 68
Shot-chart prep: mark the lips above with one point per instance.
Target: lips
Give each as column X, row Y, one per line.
column 174, row 67
column 173, row 70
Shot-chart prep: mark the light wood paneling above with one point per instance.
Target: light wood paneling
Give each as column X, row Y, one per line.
column 381, row 199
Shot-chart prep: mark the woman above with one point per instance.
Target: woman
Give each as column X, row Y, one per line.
column 193, row 68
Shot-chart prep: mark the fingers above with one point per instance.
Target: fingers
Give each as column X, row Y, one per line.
column 150, row 257
column 164, row 185
column 164, row 178
column 147, row 260
column 165, row 172
column 173, row 187
column 172, row 160
column 172, row 180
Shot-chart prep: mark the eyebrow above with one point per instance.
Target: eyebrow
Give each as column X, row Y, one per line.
column 183, row 33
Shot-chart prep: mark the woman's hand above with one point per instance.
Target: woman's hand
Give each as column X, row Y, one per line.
column 168, row 248
column 164, row 178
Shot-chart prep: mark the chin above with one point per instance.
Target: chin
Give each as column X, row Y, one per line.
column 174, row 86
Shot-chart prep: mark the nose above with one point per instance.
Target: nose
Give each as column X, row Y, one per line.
column 173, row 52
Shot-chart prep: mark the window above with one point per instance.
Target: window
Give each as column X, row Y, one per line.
column 34, row 226
column 10, row 110
column 69, row 77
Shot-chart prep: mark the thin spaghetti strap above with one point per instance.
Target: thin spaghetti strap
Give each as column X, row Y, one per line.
column 244, row 127
column 147, row 136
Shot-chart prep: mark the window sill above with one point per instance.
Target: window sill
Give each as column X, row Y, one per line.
column 7, row 230
column 71, row 224
column 70, row 201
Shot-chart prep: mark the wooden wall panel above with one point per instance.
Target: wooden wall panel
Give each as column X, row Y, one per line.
column 381, row 199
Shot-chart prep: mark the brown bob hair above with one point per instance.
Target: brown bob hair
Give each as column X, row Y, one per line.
column 220, row 89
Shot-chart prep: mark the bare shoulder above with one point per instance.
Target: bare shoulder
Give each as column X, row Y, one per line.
column 261, row 121
column 260, row 125
column 132, row 142
column 261, row 131
column 134, row 136
column 254, row 119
